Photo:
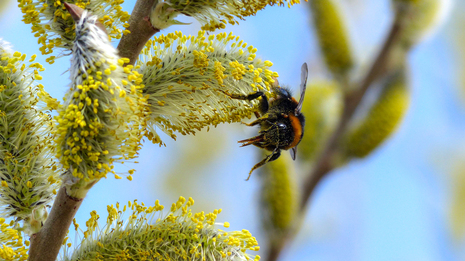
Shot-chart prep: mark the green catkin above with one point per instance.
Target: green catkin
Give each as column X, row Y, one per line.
column 382, row 119
column 457, row 209
column 421, row 17
column 279, row 197
column 4, row 6
column 322, row 108
column 332, row 36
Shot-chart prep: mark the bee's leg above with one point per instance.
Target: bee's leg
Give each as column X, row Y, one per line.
column 254, row 140
column 260, row 145
column 270, row 118
column 263, row 106
column 267, row 117
column 248, row 97
column 253, row 123
column 273, row 156
column 273, row 125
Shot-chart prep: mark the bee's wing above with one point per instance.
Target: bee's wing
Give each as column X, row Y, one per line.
column 293, row 152
column 303, row 87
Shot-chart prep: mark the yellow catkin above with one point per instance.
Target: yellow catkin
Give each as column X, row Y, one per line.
column 26, row 144
column 322, row 108
column 189, row 93
column 148, row 234
column 58, row 32
column 101, row 121
column 381, row 120
column 12, row 246
column 215, row 14
column 279, row 196
column 332, row 35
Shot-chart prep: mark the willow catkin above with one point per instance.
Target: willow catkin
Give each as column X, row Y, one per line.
column 99, row 122
column 211, row 14
column 457, row 205
column 382, row 119
column 52, row 24
column 422, row 19
column 186, row 77
column 279, row 196
column 332, row 36
column 148, row 234
column 28, row 173
column 322, row 108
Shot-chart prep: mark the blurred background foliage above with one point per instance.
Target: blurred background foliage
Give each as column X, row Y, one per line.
column 403, row 200
column 455, row 163
column 3, row 5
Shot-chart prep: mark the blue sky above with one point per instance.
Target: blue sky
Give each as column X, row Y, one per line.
column 393, row 205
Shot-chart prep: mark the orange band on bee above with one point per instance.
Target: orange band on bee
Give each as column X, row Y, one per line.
column 294, row 101
column 297, row 127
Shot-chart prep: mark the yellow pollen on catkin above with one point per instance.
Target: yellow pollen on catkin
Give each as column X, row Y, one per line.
column 103, row 114
column 25, row 148
column 59, row 33
column 188, row 78
column 148, row 229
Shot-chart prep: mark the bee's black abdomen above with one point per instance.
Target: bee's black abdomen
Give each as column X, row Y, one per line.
column 278, row 134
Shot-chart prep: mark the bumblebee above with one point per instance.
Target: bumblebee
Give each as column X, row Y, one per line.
column 281, row 122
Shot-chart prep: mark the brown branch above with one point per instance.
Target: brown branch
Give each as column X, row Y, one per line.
column 46, row 244
column 141, row 30
column 275, row 249
column 351, row 101
column 325, row 162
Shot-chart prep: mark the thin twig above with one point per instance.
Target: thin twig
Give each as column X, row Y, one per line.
column 46, row 244
column 325, row 163
column 141, row 30
column 351, row 101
